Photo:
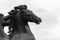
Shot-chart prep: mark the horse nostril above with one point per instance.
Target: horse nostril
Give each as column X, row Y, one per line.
column 40, row 20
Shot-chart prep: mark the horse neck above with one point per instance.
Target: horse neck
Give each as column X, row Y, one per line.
column 2, row 34
column 20, row 24
column 19, row 20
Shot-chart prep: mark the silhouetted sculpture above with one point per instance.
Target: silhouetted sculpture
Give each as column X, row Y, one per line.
column 21, row 30
column 3, row 35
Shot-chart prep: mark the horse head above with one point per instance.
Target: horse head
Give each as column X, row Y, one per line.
column 29, row 16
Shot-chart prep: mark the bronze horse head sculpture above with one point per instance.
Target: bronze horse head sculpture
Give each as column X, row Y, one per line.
column 21, row 27
column 22, row 19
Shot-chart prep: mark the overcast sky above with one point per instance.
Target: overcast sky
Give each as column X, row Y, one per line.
column 48, row 10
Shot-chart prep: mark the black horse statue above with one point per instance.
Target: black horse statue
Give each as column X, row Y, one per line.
column 3, row 35
column 21, row 27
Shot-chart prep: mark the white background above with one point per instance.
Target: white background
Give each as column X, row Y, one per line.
column 48, row 10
